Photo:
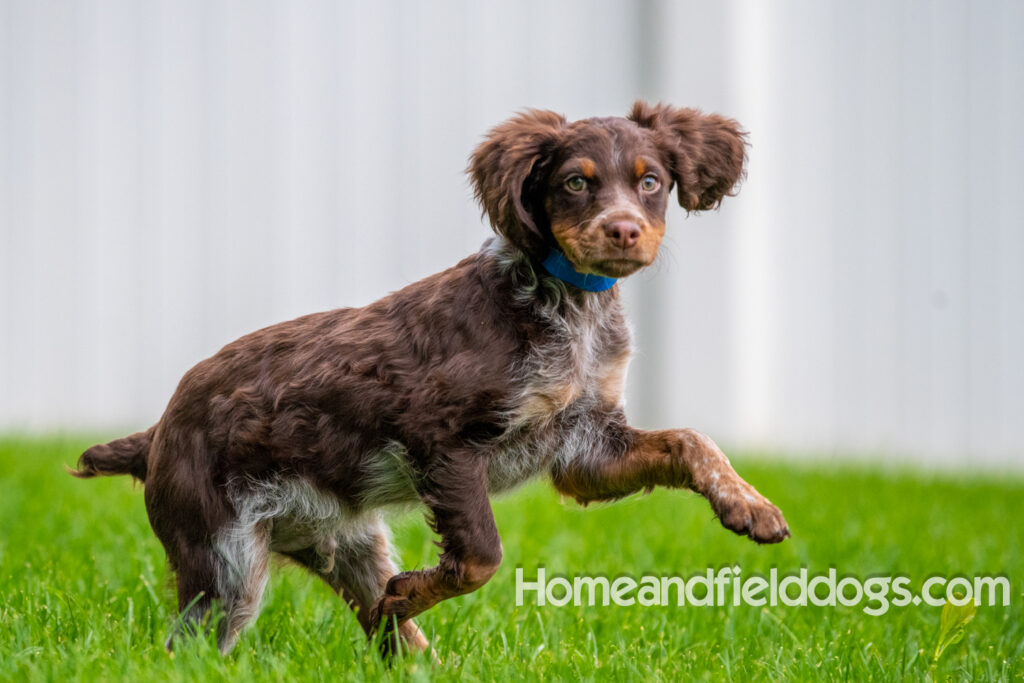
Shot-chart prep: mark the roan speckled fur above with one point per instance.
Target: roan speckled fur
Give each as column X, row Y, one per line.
column 293, row 438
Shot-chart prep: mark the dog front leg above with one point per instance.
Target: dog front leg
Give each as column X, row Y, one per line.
column 639, row 460
column 456, row 494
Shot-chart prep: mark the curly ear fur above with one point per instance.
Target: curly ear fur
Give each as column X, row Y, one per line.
column 705, row 151
column 505, row 170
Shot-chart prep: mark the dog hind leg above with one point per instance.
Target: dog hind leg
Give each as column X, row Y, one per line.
column 231, row 574
column 243, row 552
column 362, row 565
column 196, row 577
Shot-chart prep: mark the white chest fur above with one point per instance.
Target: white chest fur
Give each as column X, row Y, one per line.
column 577, row 371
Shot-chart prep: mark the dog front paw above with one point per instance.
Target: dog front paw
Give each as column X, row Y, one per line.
column 388, row 610
column 743, row 510
column 396, row 604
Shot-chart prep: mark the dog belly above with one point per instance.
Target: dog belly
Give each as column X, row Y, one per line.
column 296, row 515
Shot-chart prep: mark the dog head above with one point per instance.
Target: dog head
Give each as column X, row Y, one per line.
column 598, row 189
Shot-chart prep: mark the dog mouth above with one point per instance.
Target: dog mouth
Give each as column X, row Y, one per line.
column 618, row 267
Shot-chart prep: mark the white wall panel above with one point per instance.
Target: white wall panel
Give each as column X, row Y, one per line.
column 173, row 175
column 873, row 285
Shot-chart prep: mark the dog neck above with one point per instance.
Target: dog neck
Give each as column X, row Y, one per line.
column 558, row 265
column 534, row 287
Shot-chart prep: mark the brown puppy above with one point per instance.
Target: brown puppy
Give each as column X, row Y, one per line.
column 507, row 366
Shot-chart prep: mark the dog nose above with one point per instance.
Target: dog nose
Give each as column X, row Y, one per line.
column 624, row 234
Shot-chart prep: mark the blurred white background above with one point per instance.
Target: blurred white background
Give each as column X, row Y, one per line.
column 176, row 174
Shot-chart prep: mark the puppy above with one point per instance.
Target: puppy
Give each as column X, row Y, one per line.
column 509, row 365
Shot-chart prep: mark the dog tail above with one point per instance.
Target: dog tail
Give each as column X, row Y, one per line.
column 121, row 456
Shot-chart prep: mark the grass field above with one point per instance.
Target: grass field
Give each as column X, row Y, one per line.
column 84, row 592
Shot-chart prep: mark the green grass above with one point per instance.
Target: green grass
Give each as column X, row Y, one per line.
column 84, row 592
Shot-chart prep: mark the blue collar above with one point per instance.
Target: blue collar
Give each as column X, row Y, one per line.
column 559, row 266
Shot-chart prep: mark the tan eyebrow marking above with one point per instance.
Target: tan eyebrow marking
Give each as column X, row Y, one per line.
column 640, row 167
column 588, row 167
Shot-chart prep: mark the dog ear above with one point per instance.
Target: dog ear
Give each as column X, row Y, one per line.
column 505, row 171
column 706, row 152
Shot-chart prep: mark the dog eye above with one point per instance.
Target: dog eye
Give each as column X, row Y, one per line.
column 575, row 183
column 649, row 183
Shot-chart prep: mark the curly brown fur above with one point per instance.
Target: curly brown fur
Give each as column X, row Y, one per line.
column 293, row 438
